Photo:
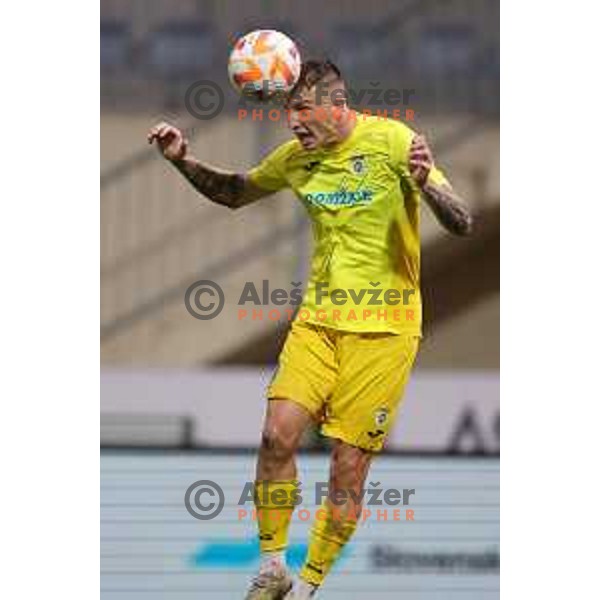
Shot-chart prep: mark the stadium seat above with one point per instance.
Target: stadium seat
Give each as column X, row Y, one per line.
column 180, row 49
column 447, row 49
column 115, row 44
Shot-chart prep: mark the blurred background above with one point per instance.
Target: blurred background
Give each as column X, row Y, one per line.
column 182, row 399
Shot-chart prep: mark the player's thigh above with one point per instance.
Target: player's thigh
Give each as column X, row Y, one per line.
column 373, row 371
column 307, row 368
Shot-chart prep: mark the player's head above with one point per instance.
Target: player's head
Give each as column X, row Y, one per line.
column 317, row 104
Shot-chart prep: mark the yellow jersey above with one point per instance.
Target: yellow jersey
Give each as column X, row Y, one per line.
column 364, row 208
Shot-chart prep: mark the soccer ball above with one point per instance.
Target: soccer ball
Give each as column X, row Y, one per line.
column 263, row 63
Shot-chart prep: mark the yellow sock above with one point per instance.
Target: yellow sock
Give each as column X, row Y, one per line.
column 274, row 501
column 331, row 530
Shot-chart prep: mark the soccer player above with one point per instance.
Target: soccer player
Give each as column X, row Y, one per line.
column 346, row 361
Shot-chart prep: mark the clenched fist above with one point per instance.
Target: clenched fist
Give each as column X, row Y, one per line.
column 170, row 141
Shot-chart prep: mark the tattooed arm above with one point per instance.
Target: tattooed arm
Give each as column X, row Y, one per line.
column 233, row 190
column 449, row 209
column 446, row 205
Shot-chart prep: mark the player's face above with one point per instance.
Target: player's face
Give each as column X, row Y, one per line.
column 315, row 116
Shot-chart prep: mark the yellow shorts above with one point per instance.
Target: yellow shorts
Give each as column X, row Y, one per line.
column 351, row 383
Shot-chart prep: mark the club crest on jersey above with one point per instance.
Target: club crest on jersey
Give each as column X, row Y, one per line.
column 359, row 164
column 381, row 416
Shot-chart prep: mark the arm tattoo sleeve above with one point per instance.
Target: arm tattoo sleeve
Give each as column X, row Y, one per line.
column 448, row 208
column 222, row 188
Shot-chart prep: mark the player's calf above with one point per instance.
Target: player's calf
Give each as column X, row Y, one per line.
column 275, row 496
column 334, row 529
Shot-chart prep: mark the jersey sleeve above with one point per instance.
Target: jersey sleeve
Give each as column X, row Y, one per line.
column 400, row 140
column 437, row 177
column 270, row 173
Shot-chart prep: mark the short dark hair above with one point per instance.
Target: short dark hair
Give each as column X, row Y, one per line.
column 313, row 71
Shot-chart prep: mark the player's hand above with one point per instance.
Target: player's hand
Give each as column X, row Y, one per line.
column 420, row 160
column 170, row 141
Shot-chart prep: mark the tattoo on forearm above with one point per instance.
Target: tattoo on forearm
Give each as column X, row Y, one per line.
column 448, row 208
column 226, row 189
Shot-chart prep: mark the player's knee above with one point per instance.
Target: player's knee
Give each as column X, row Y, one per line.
column 276, row 445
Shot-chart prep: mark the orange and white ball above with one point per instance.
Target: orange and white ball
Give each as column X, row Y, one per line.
column 265, row 61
